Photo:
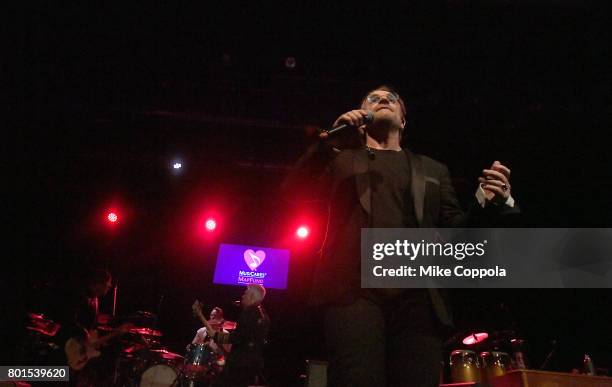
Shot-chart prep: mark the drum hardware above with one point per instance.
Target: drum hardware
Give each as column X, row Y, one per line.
column 39, row 323
column 145, row 336
column 167, row 356
column 490, row 355
column 39, row 338
column 146, row 332
column 518, row 357
column 200, row 362
column 588, row 366
column 144, row 366
column 141, row 359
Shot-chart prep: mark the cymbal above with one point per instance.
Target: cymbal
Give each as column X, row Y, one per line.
column 35, row 316
column 145, row 332
column 475, row 338
column 49, row 330
column 38, row 319
column 39, row 330
column 134, row 348
column 39, row 323
column 517, row 342
column 144, row 314
column 229, row 325
column 165, row 354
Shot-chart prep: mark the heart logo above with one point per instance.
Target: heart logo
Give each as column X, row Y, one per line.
column 254, row 258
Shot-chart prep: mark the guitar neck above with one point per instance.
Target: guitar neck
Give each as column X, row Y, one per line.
column 110, row 336
column 205, row 322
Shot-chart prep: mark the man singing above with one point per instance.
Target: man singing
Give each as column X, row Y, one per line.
column 383, row 337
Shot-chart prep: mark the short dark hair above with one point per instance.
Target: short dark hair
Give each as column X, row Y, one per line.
column 219, row 310
column 389, row 89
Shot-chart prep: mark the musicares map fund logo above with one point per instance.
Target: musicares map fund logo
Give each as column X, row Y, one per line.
column 253, row 259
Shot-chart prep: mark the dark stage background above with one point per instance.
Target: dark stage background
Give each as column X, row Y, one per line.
column 102, row 98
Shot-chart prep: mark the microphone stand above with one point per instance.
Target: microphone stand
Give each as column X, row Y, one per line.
column 115, row 299
column 117, row 362
column 550, row 355
column 159, row 308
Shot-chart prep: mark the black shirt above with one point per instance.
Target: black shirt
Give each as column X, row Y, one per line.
column 390, row 182
column 392, row 207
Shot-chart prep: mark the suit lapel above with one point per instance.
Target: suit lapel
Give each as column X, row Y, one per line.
column 417, row 185
column 362, row 179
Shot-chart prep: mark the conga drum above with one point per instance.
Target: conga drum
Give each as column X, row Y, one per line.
column 464, row 366
column 494, row 364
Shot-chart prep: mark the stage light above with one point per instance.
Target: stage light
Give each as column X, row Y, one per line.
column 302, row 232
column 176, row 166
column 210, row 224
column 290, row 62
column 112, row 217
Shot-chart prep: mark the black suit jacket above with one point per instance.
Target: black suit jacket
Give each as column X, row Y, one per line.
column 249, row 338
column 343, row 178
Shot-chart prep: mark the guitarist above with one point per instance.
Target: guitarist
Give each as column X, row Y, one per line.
column 79, row 322
column 216, row 322
column 245, row 362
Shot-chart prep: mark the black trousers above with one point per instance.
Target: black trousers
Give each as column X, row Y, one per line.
column 241, row 370
column 383, row 342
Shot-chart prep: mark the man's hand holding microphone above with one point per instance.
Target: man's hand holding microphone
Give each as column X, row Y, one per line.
column 348, row 130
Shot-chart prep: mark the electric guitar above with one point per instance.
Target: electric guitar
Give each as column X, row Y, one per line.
column 197, row 310
column 79, row 352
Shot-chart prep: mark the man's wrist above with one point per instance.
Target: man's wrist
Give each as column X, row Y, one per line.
column 482, row 199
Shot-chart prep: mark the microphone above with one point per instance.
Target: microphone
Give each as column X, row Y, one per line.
column 366, row 120
column 237, row 303
column 371, row 154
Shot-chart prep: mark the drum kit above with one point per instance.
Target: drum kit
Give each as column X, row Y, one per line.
column 487, row 356
column 145, row 362
column 38, row 341
column 139, row 357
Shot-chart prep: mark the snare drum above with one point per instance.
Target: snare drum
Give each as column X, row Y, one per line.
column 160, row 375
column 464, row 366
column 494, row 364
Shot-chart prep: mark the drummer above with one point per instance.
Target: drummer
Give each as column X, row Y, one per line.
column 216, row 322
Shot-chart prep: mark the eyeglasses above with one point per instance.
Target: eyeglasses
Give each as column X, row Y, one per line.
column 375, row 98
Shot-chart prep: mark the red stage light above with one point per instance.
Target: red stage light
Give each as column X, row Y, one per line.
column 302, row 232
column 210, row 224
column 112, row 217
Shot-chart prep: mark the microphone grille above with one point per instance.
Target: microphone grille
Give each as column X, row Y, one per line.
column 368, row 118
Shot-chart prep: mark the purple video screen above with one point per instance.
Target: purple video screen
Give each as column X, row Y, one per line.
column 243, row 265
